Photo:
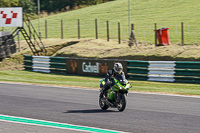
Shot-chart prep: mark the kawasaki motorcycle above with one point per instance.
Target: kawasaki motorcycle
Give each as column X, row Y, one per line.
column 115, row 96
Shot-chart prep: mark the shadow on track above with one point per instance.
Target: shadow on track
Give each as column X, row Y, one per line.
column 90, row 111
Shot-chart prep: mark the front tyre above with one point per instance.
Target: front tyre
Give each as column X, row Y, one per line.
column 102, row 103
column 122, row 103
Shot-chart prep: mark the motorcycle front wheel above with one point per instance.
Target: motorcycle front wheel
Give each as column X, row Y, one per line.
column 102, row 103
column 122, row 103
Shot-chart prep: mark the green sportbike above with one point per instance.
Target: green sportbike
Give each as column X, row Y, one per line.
column 115, row 96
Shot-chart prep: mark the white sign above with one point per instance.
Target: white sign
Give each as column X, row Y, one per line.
column 11, row 17
column 90, row 68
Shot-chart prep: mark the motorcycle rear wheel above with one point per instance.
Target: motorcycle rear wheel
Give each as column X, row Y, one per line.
column 122, row 103
column 102, row 103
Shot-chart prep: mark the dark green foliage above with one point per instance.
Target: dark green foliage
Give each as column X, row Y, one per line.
column 65, row 5
column 29, row 6
column 9, row 3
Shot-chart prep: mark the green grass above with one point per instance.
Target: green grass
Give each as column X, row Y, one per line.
column 93, row 82
column 144, row 13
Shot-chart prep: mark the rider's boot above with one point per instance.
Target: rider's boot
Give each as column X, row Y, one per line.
column 104, row 89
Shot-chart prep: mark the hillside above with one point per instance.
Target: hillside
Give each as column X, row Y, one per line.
column 144, row 13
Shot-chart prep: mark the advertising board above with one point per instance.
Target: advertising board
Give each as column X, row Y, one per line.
column 11, row 17
column 91, row 67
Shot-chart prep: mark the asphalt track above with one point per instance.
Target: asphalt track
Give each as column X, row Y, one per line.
column 145, row 113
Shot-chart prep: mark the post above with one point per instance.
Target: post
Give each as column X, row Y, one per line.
column 132, row 26
column 39, row 18
column 96, row 29
column 18, row 33
column 29, row 28
column 132, row 36
column 46, row 29
column 182, row 33
column 119, row 37
column 129, row 17
column 108, row 31
column 79, row 36
column 155, row 34
column 61, row 29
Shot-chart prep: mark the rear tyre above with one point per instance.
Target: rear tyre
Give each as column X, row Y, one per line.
column 122, row 103
column 102, row 103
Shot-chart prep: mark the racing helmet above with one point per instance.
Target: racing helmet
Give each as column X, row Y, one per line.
column 118, row 67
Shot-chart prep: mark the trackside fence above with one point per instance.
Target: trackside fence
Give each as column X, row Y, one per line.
column 164, row 71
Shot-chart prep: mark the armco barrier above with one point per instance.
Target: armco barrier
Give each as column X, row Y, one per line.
column 187, row 72
column 165, row 71
column 45, row 64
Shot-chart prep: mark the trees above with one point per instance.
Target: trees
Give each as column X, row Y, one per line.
column 55, row 5
column 59, row 5
column 30, row 6
column 9, row 3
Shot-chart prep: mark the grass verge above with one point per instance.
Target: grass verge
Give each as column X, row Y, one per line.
column 93, row 82
column 143, row 13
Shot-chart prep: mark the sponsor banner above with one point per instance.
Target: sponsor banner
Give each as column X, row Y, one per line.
column 11, row 17
column 92, row 67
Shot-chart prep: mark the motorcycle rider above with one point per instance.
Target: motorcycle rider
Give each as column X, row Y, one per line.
column 116, row 72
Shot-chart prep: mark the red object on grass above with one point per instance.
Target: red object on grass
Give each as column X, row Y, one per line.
column 163, row 36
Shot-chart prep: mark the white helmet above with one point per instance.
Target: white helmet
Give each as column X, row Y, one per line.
column 118, row 67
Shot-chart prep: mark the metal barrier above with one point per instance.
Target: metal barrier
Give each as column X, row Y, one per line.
column 187, row 72
column 167, row 71
column 45, row 64
column 164, row 71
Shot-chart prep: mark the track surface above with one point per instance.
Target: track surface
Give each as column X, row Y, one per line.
column 145, row 113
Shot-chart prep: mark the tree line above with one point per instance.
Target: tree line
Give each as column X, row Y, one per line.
column 30, row 6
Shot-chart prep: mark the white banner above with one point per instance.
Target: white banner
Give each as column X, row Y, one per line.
column 11, row 17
